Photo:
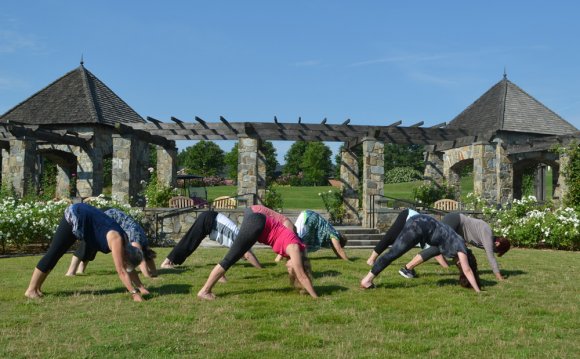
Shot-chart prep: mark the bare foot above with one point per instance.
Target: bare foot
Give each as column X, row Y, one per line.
column 33, row 294
column 365, row 285
column 370, row 262
column 206, row 296
column 167, row 264
column 70, row 274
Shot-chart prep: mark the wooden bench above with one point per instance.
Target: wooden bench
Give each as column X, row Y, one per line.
column 224, row 202
column 448, row 205
column 181, row 202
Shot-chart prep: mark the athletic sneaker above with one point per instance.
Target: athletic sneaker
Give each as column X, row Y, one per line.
column 407, row 273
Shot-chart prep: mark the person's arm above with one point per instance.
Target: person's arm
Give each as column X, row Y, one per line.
column 489, row 246
column 115, row 242
column 338, row 250
column 293, row 251
column 137, row 283
column 467, row 271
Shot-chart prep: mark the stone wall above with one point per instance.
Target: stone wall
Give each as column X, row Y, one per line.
column 373, row 175
column 349, row 181
column 251, row 170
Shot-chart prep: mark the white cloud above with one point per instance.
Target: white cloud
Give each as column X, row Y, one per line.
column 11, row 42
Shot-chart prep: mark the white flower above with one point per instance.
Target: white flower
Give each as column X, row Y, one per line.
column 150, row 169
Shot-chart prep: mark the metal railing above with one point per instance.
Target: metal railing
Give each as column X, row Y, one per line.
column 398, row 203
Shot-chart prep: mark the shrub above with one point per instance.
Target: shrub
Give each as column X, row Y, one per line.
column 529, row 224
column 22, row 222
column 156, row 193
column 334, row 204
column 402, row 174
column 430, row 192
column 273, row 199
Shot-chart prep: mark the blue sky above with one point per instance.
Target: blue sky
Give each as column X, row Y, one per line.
column 375, row 62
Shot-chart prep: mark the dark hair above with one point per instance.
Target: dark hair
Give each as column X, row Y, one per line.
column 149, row 253
column 463, row 281
column 342, row 240
column 503, row 246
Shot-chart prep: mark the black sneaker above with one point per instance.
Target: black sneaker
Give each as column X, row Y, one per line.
column 407, row 273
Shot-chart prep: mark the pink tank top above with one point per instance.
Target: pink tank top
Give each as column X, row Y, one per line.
column 269, row 213
column 279, row 237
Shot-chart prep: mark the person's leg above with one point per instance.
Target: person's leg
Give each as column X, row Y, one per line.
column 251, row 257
column 191, row 240
column 62, row 240
column 389, row 237
column 404, row 242
column 74, row 265
column 250, row 230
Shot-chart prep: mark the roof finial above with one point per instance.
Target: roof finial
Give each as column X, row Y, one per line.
column 82, row 60
column 504, row 73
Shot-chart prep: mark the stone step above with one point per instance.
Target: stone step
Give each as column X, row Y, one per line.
column 348, row 230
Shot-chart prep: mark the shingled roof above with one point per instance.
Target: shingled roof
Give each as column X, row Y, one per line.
column 78, row 97
column 506, row 107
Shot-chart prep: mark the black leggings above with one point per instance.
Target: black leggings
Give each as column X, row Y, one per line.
column 410, row 236
column 452, row 220
column 393, row 232
column 201, row 228
column 250, row 231
column 62, row 240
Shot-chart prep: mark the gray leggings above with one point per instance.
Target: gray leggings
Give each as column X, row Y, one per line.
column 250, row 231
column 413, row 233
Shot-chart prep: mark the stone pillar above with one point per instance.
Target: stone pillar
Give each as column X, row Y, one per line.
column 434, row 167
column 90, row 172
column 166, row 165
column 63, row 182
column 248, row 170
column 349, row 180
column 492, row 173
column 5, row 165
column 130, row 159
column 21, row 166
column 561, row 187
column 373, row 176
column 504, row 174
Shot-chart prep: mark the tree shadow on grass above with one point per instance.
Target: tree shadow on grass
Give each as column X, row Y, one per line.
column 455, row 283
column 161, row 290
column 322, row 290
column 326, row 273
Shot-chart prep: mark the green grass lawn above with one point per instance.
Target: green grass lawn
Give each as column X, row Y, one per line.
column 257, row 315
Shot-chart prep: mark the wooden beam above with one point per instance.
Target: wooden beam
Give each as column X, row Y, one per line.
column 417, row 124
column 394, row 124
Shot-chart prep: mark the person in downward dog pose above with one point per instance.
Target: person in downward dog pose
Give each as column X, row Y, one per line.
column 268, row 212
column 257, row 227
column 86, row 223
column 392, row 234
column 218, row 227
column 421, row 229
column 137, row 237
column 475, row 232
column 316, row 232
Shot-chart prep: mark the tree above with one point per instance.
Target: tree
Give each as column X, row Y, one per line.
column 404, row 156
column 231, row 161
column 317, row 164
column 267, row 148
column 294, row 157
column 205, row 158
